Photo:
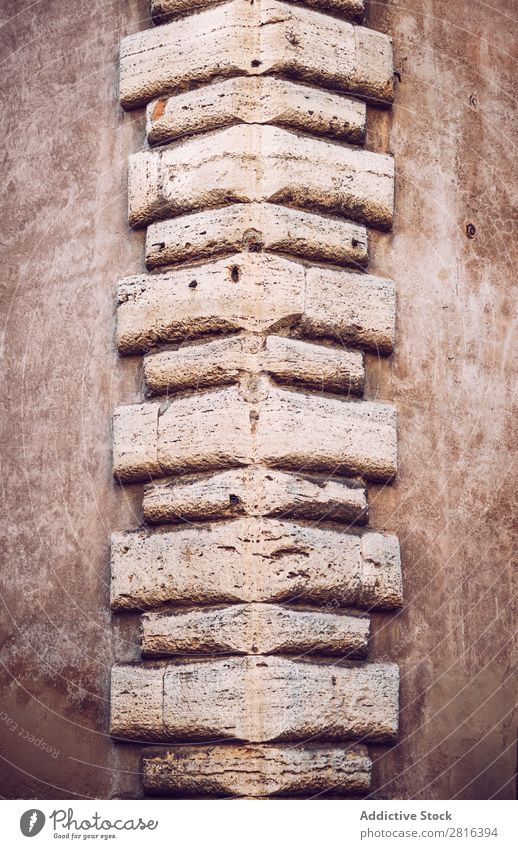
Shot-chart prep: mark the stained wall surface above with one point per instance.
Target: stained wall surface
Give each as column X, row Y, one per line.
column 65, row 242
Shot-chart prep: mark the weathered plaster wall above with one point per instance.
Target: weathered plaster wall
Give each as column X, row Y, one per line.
column 65, row 243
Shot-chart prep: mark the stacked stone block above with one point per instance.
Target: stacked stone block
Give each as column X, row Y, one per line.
column 255, row 569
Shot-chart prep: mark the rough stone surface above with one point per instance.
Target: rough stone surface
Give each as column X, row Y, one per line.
column 250, row 162
column 256, row 100
column 247, row 560
column 364, row 309
column 255, row 492
column 254, row 629
column 65, row 243
column 210, row 430
column 283, row 429
column 257, row 771
column 255, row 39
column 308, row 432
column 257, row 293
column 134, row 442
column 225, row 361
column 250, row 168
column 255, row 699
column 164, row 10
column 255, row 227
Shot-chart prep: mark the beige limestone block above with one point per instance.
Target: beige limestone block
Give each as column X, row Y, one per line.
column 257, row 771
column 227, row 360
column 254, row 629
column 266, row 37
column 307, row 432
column 256, row 292
column 251, row 559
column 320, row 367
column 381, row 555
column 256, row 100
column 255, row 492
column 252, row 292
column 199, row 366
column 350, row 308
column 284, row 429
column 135, row 442
column 258, row 700
column 165, row 10
column 137, row 705
column 249, row 162
column 255, row 227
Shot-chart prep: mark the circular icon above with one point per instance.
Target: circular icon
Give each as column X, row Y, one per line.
column 31, row 822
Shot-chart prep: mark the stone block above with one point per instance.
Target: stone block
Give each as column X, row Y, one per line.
column 254, row 629
column 259, row 293
column 263, row 560
column 257, row 771
column 288, row 430
column 255, row 227
column 255, row 699
column 166, row 10
column 249, row 163
column 306, row 432
column 256, row 100
column 134, row 442
column 255, row 492
column 226, row 361
column 266, row 37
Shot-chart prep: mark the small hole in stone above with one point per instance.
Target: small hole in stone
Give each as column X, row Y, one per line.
column 471, row 231
column 235, row 273
column 354, row 243
column 397, row 75
column 255, row 247
column 255, row 63
column 159, row 245
column 233, row 499
column 193, row 284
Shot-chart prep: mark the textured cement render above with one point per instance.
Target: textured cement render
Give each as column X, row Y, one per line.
column 65, row 242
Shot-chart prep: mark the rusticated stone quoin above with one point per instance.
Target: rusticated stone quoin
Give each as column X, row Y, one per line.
column 254, row 629
column 256, row 100
column 254, row 699
column 163, row 10
column 248, row 163
column 254, row 560
column 225, row 361
column 257, row 293
column 255, row 492
column 255, row 227
column 284, row 430
column 265, row 37
column 257, row 771
column 254, row 570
